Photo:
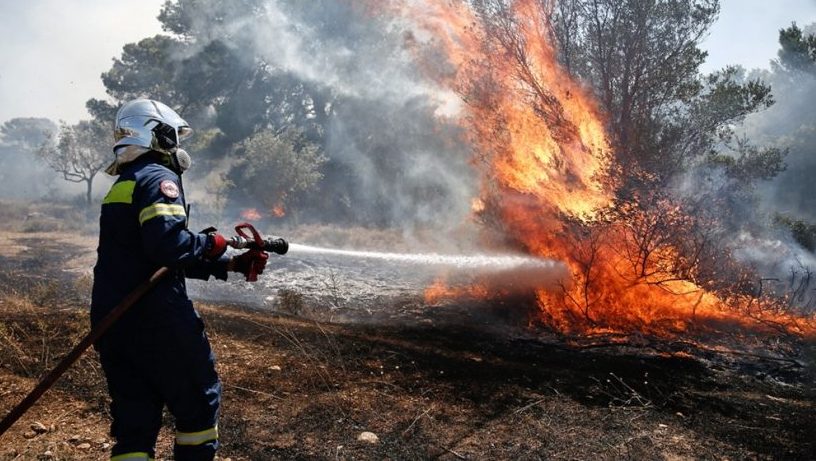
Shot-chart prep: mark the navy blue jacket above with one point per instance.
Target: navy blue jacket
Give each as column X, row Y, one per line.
column 143, row 226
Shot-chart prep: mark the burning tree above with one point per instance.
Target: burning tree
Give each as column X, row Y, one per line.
column 588, row 180
column 80, row 152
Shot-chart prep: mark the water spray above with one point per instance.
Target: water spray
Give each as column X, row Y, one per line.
column 507, row 272
column 476, row 261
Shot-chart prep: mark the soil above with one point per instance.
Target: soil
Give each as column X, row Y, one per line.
column 303, row 378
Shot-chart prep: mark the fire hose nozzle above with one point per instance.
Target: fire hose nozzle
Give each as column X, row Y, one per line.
column 276, row 245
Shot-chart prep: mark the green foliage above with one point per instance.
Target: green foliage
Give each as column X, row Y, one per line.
column 102, row 111
column 803, row 232
column 797, row 51
column 184, row 17
column 146, row 68
column 693, row 132
column 670, row 125
column 641, row 57
column 276, row 168
column 747, row 163
column 26, row 133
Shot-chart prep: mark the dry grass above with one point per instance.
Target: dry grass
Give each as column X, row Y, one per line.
column 38, row 217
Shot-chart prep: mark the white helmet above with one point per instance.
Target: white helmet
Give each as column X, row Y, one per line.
column 143, row 125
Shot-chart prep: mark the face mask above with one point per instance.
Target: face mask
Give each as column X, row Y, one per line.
column 182, row 160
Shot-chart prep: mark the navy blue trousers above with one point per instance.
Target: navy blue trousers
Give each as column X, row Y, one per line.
column 150, row 368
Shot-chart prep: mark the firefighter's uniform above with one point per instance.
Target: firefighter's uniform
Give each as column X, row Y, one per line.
column 157, row 353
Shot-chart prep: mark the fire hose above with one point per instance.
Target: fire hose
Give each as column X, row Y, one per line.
column 247, row 238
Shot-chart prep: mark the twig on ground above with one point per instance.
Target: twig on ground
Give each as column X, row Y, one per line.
column 233, row 386
column 452, row 452
column 528, row 406
column 417, row 419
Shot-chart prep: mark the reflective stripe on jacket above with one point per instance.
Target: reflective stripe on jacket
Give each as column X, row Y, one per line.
column 143, row 226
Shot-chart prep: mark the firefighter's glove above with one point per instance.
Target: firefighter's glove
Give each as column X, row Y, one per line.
column 250, row 263
column 216, row 245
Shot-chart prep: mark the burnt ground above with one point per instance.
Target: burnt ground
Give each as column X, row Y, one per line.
column 298, row 388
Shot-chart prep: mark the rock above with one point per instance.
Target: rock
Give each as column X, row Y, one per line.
column 74, row 438
column 84, row 446
column 368, row 437
column 275, row 368
column 39, row 427
column 29, row 434
column 105, row 446
column 47, row 455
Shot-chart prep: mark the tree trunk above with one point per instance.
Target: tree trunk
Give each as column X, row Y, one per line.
column 88, row 190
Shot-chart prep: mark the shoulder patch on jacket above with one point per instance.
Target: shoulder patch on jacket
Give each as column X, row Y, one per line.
column 169, row 188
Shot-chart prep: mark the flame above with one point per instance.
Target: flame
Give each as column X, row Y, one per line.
column 250, row 214
column 545, row 159
column 440, row 291
column 477, row 205
column 278, row 211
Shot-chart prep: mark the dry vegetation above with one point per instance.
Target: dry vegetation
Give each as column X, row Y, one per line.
column 298, row 389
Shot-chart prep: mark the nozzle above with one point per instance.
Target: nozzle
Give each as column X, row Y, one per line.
column 276, row 245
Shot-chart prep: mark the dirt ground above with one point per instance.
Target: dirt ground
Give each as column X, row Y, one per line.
column 303, row 389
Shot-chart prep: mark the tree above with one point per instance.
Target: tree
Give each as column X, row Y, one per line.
column 639, row 55
column 797, row 51
column 642, row 58
column 21, row 175
column 277, row 168
column 147, row 68
column 80, row 152
column 26, row 133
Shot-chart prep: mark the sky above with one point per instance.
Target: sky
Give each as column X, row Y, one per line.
column 747, row 31
column 54, row 51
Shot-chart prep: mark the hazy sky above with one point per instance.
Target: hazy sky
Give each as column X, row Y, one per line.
column 748, row 30
column 53, row 51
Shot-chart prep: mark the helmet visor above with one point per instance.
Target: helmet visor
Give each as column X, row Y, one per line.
column 184, row 132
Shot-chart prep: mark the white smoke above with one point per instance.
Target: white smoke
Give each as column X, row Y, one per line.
column 790, row 123
column 392, row 127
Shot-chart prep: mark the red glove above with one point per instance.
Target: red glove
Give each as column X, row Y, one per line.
column 250, row 264
column 216, row 245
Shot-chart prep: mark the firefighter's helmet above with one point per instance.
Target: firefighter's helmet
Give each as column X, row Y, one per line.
column 143, row 125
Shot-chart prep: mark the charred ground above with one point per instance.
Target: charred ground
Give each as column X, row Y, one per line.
column 305, row 389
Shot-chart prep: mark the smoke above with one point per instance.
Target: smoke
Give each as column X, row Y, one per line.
column 396, row 155
column 790, row 123
column 765, row 243
column 22, row 175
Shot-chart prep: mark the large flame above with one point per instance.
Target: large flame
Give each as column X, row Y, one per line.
column 545, row 158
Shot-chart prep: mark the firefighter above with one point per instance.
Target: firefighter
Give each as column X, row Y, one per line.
column 157, row 354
